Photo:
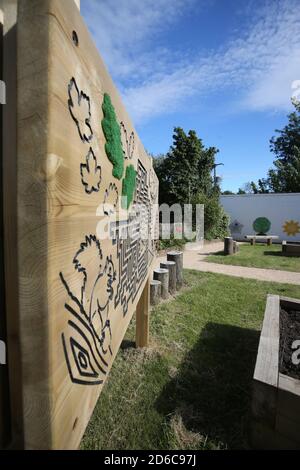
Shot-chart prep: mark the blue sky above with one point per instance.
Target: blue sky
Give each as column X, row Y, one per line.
column 224, row 68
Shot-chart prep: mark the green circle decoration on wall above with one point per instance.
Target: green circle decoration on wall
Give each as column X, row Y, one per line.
column 261, row 225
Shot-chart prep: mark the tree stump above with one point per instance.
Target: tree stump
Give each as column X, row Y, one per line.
column 162, row 275
column 155, row 292
column 171, row 266
column 228, row 246
column 236, row 247
column 177, row 257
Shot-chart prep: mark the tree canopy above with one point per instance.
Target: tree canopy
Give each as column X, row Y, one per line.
column 185, row 176
column 285, row 177
column 186, row 169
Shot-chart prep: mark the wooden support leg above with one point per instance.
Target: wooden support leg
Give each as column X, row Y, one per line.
column 269, row 241
column 252, row 241
column 142, row 318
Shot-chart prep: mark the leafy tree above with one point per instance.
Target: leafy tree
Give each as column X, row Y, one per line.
column 186, row 169
column 246, row 189
column 227, row 193
column 285, row 177
column 185, row 176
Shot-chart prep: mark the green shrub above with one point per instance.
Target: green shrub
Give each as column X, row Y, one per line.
column 172, row 243
column 216, row 221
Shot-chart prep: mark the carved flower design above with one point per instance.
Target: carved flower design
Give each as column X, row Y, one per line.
column 90, row 173
column 80, row 109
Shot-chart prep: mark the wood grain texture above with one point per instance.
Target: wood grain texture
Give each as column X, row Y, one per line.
column 142, row 317
column 266, row 368
column 77, row 292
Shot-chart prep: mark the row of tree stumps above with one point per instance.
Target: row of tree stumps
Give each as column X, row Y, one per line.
column 168, row 278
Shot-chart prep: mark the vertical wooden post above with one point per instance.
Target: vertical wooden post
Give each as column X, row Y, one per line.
column 228, row 246
column 9, row 186
column 142, row 318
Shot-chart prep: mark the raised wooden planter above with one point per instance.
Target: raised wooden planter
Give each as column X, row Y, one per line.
column 276, row 397
column 291, row 248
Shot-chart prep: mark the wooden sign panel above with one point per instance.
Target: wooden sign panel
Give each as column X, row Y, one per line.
column 78, row 154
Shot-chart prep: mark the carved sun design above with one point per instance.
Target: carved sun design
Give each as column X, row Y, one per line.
column 291, row 228
column 90, row 173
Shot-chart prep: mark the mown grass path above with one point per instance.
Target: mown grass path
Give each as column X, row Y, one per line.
column 192, row 388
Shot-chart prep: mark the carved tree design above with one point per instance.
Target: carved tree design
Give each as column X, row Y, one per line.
column 112, row 133
column 128, row 186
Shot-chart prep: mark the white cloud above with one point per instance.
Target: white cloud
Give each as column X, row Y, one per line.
column 259, row 66
column 125, row 32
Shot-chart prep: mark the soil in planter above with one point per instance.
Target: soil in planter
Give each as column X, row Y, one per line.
column 289, row 332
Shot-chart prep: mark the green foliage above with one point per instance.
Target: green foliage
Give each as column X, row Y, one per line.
column 128, row 186
column 112, row 133
column 227, row 193
column 185, row 176
column 285, row 177
column 261, row 225
column 172, row 242
column 216, row 221
column 185, row 170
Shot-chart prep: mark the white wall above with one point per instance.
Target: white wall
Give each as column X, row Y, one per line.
column 278, row 208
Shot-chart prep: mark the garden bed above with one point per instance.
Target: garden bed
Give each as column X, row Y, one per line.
column 291, row 248
column 276, row 384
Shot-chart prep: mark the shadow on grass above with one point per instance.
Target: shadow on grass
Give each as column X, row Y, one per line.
column 274, row 253
column 217, row 253
column 127, row 344
column 212, row 389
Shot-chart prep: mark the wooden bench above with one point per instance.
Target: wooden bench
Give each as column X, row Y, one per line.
column 269, row 238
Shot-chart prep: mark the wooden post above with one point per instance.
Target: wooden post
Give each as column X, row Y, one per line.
column 14, row 405
column 236, row 247
column 4, row 385
column 252, row 241
column 269, row 241
column 177, row 257
column 162, row 275
column 228, row 246
column 171, row 267
column 142, row 318
column 155, row 292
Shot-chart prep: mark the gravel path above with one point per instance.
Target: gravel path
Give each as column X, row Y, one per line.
column 194, row 255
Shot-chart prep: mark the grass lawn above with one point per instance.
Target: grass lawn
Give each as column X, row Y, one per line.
column 258, row 256
column 192, row 388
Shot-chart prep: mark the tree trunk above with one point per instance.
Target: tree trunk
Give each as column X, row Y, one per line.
column 228, row 246
column 177, row 257
column 171, row 266
column 155, row 292
column 162, row 275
